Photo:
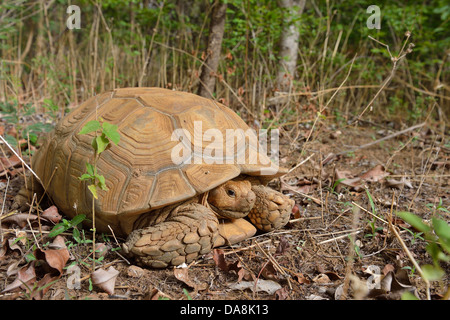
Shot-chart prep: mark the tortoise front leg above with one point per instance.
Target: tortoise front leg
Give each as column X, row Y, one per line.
column 272, row 209
column 173, row 235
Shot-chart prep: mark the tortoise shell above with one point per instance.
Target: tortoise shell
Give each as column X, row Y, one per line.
column 140, row 171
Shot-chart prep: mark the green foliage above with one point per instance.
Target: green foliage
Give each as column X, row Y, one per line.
column 65, row 225
column 13, row 113
column 166, row 41
column 100, row 142
column 437, row 234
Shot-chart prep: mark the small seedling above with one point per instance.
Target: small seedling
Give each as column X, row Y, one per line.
column 373, row 228
column 65, row 225
column 415, row 235
column 104, row 134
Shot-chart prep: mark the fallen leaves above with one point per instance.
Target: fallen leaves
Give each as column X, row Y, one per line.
column 346, row 179
column 182, row 274
column 10, row 166
column 260, row 285
column 48, row 262
column 236, row 266
column 23, row 219
column 105, row 279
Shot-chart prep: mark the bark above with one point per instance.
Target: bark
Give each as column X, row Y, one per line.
column 216, row 30
column 289, row 43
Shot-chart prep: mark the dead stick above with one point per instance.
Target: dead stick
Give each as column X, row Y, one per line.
column 15, row 153
column 383, row 139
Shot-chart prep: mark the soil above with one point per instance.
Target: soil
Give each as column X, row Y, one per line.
column 335, row 247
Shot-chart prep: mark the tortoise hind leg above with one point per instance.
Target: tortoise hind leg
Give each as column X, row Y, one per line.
column 272, row 209
column 173, row 235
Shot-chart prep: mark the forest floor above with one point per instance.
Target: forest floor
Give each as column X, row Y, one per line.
column 338, row 244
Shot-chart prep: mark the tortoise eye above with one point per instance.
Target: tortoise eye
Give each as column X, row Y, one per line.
column 231, row 193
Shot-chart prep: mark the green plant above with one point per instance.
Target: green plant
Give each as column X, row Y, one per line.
column 437, row 234
column 371, row 223
column 415, row 235
column 104, row 134
column 439, row 207
column 65, row 225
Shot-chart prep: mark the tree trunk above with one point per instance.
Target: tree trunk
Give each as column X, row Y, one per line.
column 289, row 43
column 216, row 30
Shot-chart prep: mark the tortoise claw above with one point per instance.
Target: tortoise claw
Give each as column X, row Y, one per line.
column 272, row 209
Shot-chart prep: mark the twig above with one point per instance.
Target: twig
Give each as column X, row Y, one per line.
column 3, row 207
column 374, row 215
column 393, row 135
column 405, row 248
column 395, row 60
column 301, row 193
column 340, row 237
column 275, row 264
column 29, row 223
column 300, row 163
column 245, row 248
column 350, row 258
column 15, row 153
column 117, row 242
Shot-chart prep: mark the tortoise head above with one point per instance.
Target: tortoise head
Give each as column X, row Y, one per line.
column 233, row 199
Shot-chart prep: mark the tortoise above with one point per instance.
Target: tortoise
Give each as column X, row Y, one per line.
column 172, row 209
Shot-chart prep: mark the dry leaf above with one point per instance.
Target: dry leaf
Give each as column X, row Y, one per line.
column 399, row 184
column 182, row 274
column 219, row 259
column 25, row 277
column 101, row 250
column 135, row 271
column 283, row 246
column 10, row 162
column 52, row 262
column 375, row 174
column 281, row 294
column 302, row 279
column 154, row 294
column 105, row 279
column 269, row 272
column 321, row 278
column 51, row 214
column 268, row 286
column 55, row 258
column 388, row 268
column 344, row 179
column 20, row 219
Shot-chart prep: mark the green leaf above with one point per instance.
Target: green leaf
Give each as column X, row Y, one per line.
column 90, row 126
column 30, row 257
column 85, row 176
column 110, row 130
column 76, row 235
column 432, row 273
column 413, row 220
column 101, row 182
column 435, row 252
column 90, row 169
column 441, row 228
column 93, row 189
column 372, row 204
column 101, row 142
column 77, row 220
column 57, row 229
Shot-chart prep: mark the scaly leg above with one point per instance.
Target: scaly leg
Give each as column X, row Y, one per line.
column 173, row 235
column 272, row 209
